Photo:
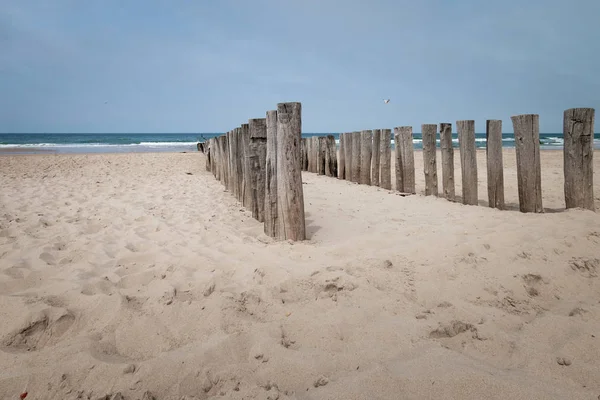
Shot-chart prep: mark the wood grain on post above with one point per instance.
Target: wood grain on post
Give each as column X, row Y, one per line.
column 303, row 154
column 217, row 158
column 495, row 169
column 240, row 164
column 578, row 133
column 348, row 157
column 468, row 160
column 341, row 158
column 316, row 154
column 385, row 150
column 529, row 177
column 237, row 163
column 258, row 157
column 290, row 204
column 376, row 157
column 271, row 216
column 208, row 155
column 220, row 159
column 356, row 156
column 230, row 162
column 322, row 145
column 399, row 172
column 447, row 161
column 247, row 165
column 429, row 133
column 213, row 156
column 405, row 155
column 331, row 164
column 309, row 154
column 366, row 153
column 313, row 153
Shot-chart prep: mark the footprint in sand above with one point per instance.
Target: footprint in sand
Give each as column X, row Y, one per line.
column 532, row 284
column 40, row 330
column 48, row 258
column 587, row 267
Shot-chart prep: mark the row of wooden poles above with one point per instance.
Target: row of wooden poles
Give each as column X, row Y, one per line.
column 365, row 158
column 259, row 163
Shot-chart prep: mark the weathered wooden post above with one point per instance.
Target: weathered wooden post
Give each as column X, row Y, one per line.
column 447, row 161
column 342, row 158
column 322, row 145
column 468, row 160
column 348, row 156
column 386, row 154
column 309, row 154
column 495, row 171
column 366, row 153
column 290, row 204
column 258, row 157
column 578, row 133
column 271, row 215
column 208, row 155
column 304, row 154
column 230, row 163
column 226, row 160
column 356, row 156
column 240, row 164
column 314, row 153
column 331, row 164
column 247, row 184
column 376, row 157
column 214, row 156
column 428, row 132
column 529, row 172
column 405, row 159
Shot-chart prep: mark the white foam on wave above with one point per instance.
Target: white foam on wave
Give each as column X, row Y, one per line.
column 75, row 145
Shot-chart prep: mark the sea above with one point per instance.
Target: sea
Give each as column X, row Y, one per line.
column 27, row 143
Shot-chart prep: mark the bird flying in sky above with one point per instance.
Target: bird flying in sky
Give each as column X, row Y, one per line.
column 386, row 101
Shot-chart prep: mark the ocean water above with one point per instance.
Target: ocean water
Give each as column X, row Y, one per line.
column 21, row 143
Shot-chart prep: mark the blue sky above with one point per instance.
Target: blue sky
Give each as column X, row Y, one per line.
column 208, row 66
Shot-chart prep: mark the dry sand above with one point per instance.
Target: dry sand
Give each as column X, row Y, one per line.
column 125, row 273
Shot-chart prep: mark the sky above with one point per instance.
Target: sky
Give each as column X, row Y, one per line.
column 103, row 66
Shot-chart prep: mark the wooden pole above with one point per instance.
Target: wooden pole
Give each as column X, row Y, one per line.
column 376, row 157
column 578, row 133
column 316, row 154
column 247, row 183
column 342, row 158
column 258, row 157
column 385, row 149
column 495, row 169
column 331, row 164
column 356, row 156
column 230, row 162
column 348, row 156
column 271, row 215
column 240, row 164
column 366, row 153
column 529, row 177
column 208, row 156
column 428, row 132
column 226, row 160
column 405, row 157
column 309, row 161
column 468, row 160
column 290, row 203
column 447, row 161
column 304, row 154
column 215, row 156
column 322, row 146
column 398, row 157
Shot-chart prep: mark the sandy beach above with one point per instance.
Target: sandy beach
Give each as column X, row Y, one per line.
column 139, row 274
